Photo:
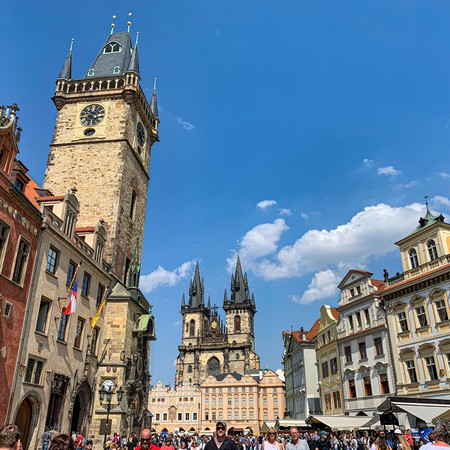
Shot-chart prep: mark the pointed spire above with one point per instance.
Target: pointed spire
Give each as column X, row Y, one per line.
column 225, row 297
column 183, row 302
column 196, row 289
column 134, row 61
column 135, row 269
column 154, row 101
column 66, row 71
column 209, row 302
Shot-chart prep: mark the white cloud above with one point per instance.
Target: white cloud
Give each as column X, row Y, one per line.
column 162, row 277
column 444, row 174
column 367, row 162
column 409, row 185
column 304, row 215
column 323, row 285
column 177, row 323
column 186, row 125
column 439, row 200
column 285, row 212
column 388, row 171
column 264, row 204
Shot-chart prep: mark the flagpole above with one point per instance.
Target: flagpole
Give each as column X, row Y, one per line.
column 70, row 286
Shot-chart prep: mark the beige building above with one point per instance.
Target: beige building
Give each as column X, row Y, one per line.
column 327, row 354
column 245, row 402
column 58, row 366
column 175, row 409
column 417, row 308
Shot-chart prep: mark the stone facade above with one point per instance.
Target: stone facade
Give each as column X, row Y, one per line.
column 19, row 229
column 210, row 346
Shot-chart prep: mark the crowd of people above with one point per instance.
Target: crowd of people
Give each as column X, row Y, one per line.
column 439, row 439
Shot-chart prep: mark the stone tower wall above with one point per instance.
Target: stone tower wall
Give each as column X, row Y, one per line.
column 246, row 334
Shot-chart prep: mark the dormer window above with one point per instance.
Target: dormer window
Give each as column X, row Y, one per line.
column 90, row 73
column 116, row 70
column 112, row 47
column 432, row 251
column 19, row 184
column 413, row 258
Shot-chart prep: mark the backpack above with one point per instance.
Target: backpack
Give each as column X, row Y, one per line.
column 361, row 445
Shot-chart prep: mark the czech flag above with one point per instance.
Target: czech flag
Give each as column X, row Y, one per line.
column 73, row 300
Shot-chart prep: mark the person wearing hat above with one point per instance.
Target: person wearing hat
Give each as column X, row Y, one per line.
column 221, row 441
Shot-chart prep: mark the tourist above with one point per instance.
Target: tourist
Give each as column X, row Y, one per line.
column 10, row 438
column 62, row 442
column 295, row 443
column 271, row 442
column 442, row 433
column 167, row 445
column 145, row 442
column 89, row 445
column 382, row 442
column 220, row 440
column 46, row 438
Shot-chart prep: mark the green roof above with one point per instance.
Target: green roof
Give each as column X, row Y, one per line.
column 427, row 221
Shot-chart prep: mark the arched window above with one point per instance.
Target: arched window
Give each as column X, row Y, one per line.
column 112, row 47
column 213, row 366
column 189, row 369
column 237, row 323
column 116, row 70
column 192, row 328
column 413, row 258
column 432, row 249
column 90, row 73
column 187, row 328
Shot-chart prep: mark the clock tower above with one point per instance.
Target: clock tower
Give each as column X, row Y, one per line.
column 101, row 145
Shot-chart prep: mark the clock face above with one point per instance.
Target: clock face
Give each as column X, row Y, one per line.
column 214, row 325
column 92, row 115
column 140, row 134
column 108, row 385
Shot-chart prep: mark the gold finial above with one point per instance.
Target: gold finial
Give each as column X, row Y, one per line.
column 113, row 25
column 129, row 22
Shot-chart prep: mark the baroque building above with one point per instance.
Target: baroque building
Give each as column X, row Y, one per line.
column 19, row 230
column 416, row 304
column 364, row 346
column 209, row 345
column 300, row 371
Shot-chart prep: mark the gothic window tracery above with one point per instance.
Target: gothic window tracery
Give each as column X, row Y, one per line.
column 192, row 328
column 237, row 323
column 213, row 366
column 112, row 47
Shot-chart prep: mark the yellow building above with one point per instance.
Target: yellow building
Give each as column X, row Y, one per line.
column 327, row 354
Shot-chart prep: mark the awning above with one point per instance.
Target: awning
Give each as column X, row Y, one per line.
column 340, row 422
column 145, row 324
column 287, row 423
column 425, row 409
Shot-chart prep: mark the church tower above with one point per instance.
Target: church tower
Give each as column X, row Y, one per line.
column 102, row 142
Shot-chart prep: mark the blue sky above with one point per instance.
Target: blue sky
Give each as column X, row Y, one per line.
column 309, row 131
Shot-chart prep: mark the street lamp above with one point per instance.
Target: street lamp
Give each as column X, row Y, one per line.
column 149, row 416
column 105, row 394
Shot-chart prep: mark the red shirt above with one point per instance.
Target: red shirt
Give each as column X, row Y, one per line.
column 151, row 447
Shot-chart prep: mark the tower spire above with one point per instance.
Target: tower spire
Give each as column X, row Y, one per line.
column 66, row 71
column 154, row 101
column 196, row 289
column 135, row 269
column 134, row 61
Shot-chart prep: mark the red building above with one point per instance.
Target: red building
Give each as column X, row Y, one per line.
column 20, row 223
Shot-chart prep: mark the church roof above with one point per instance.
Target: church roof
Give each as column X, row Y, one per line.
column 115, row 54
column 222, row 376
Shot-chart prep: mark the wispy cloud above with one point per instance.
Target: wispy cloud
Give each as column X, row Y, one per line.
column 285, row 212
column 409, row 185
column 162, row 277
column 367, row 162
column 323, row 285
column 388, row 171
column 185, row 124
column 304, row 215
column 264, row 204
column 177, row 323
column 444, row 174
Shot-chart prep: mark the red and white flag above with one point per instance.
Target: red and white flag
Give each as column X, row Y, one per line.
column 73, row 300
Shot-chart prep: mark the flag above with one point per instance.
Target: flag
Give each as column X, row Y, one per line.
column 73, row 300
column 100, row 310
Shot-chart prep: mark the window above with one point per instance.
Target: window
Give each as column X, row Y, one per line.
column 63, row 320
column 194, row 416
column 8, row 310
column 348, row 354
column 252, row 414
column 213, row 401
column 362, row 350
column 358, row 319
column 337, row 399
column 237, row 323
column 244, row 401
column 133, row 205
column 220, row 415
column 90, row 73
column 207, row 401
column 44, row 308
column 70, row 273
column 244, row 415
column 229, row 415
column 431, row 367
column 229, row 401
column 52, row 260
column 251, row 400
column 112, row 47
column 384, row 383
column 333, row 366
column 351, row 388
column 79, row 333
column 411, row 369
column 19, row 184
column 21, row 261
column 402, row 321
column 164, row 417
column 126, row 272
column 4, row 231
column 367, row 387
column 180, row 416
column 220, row 401
column 327, row 401
column 86, row 284
column 236, row 401
column 192, row 328
column 94, row 341
column 266, row 416
column 33, row 373
column 367, row 317
column 421, row 316
column 265, row 401
column 413, row 259
column 275, row 401
column 432, row 251
column 325, row 369
column 441, row 310
column 189, row 368
column 100, row 292
column 350, row 323
column 116, row 70
column 378, row 346
column 236, row 415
